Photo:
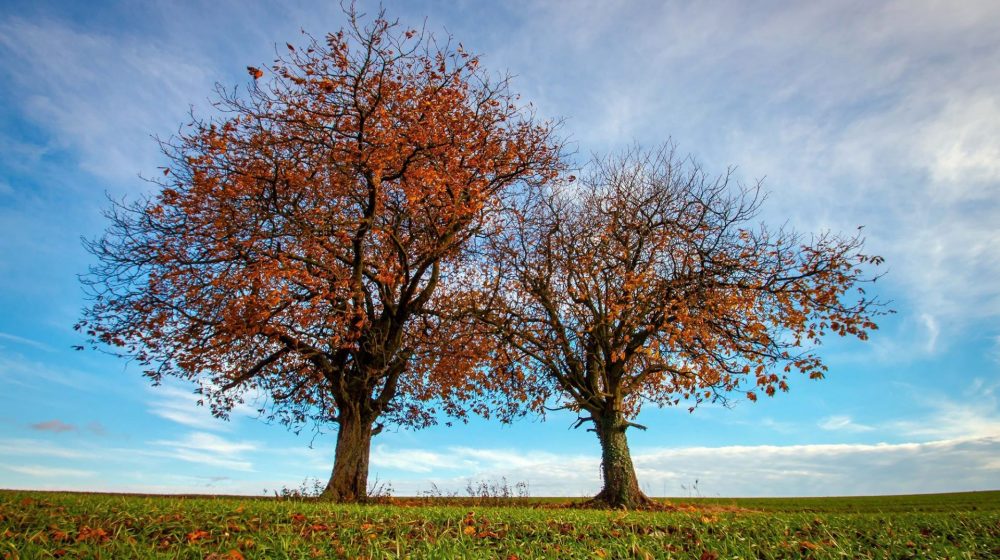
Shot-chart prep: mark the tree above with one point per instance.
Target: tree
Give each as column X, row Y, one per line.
column 305, row 244
column 647, row 282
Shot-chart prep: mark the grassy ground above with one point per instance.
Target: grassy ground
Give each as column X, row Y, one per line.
column 63, row 525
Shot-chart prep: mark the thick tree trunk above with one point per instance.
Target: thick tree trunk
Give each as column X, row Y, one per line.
column 349, row 481
column 621, row 487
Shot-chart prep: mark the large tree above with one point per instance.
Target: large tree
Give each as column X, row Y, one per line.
column 649, row 281
column 303, row 244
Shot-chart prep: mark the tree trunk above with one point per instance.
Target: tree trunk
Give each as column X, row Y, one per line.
column 349, row 481
column 621, row 488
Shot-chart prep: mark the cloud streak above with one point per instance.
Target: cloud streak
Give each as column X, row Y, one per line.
column 55, row 426
column 20, row 339
column 209, row 449
column 42, row 471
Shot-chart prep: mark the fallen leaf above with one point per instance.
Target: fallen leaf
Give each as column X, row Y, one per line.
column 95, row 535
column 231, row 555
column 198, row 535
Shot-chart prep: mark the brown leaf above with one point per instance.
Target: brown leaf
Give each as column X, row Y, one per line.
column 233, row 554
column 198, row 535
column 86, row 534
column 806, row 545
column 58, row 535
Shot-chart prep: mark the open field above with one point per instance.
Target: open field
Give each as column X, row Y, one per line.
column 67, row 525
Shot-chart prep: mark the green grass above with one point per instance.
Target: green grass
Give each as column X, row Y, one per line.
column 47, row 525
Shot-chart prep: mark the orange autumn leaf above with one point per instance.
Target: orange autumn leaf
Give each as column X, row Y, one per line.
column 88, row 534
column 197, row 535
column 233, row 554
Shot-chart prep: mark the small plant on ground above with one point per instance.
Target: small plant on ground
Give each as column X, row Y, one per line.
column 496, row 492
column 308, row 489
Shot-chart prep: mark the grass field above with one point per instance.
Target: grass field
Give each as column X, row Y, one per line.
column 66, row 525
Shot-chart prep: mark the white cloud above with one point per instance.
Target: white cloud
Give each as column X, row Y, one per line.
column 932, row 332
column 210, row 442
column 20, row 370
column 40, row 448
column 843, row 423
column 22, row 340
column 181, row 406
column 48, row 472
column 975, row 414
column 962, row 145
column 412, row 460
column 209, row 449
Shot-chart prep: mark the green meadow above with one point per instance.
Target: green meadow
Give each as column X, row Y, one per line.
column 75, row 525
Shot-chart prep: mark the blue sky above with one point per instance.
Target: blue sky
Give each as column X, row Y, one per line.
column 885, row 115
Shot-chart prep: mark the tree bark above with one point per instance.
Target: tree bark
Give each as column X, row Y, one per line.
column 621, row 487
column 349, row 480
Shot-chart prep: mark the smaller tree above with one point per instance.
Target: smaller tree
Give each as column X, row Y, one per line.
column 647, row 282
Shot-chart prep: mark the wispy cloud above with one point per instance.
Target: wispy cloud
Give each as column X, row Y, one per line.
column 210, row 449
column 48, row 472
column 974, row 415
column 181, row 406
column 414, row 460
column 20, row 339
column 21, row 370
column 843, row 423
column 97, row 428
column 54, row 425
column 58, row 426
column 40, row 448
